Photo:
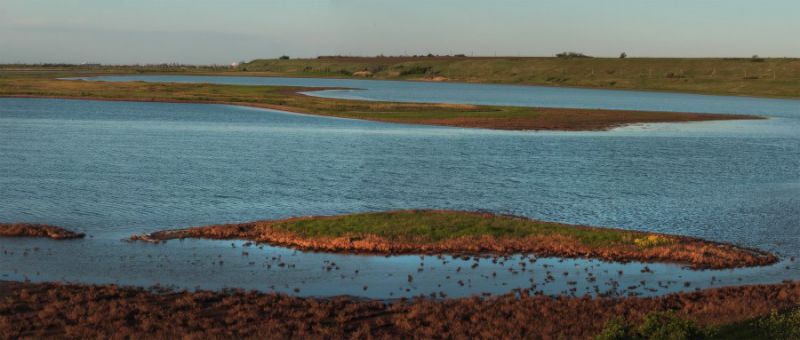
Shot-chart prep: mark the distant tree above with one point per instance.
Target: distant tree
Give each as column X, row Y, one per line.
column 569, row 55
column 284, row 57
column 623, row 55
column 755, row 58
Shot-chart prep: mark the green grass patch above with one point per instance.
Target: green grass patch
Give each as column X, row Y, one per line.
column 434, row 226
column 784, row 325
column 779, row 325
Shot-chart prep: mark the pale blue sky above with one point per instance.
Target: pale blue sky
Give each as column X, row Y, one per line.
column 206, row 31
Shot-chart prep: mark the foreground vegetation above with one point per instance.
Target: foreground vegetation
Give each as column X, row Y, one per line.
column 778, row 325
column 37, row 230
column 289, row 99
column 77, row 311
column 454, row 232
column 772, row 77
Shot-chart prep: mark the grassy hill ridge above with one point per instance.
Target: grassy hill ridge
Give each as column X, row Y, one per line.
column 772, row 77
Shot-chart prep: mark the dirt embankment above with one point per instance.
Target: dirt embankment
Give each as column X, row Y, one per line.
column 77, row 311
column 648, row 247
column 37, row 230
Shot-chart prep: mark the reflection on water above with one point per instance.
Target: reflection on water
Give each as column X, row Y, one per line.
column 200, row 264
column 112, row 169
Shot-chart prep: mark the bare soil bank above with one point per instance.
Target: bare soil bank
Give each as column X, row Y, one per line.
column 37, row 230
column 457, row 232
column 79, row 311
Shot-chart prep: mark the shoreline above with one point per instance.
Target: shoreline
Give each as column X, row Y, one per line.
column 479, row 123
column 292, row 75
column 615, row 65
column 538, row 238
column 73, row 310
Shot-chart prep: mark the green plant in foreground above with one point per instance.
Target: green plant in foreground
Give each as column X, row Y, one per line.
column 781, row 325
column 615, row 329
column 657, row 326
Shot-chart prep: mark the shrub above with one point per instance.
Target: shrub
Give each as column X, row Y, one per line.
column 284, row 57
column 669, row 326
column 615, row 329
column 415, row 70
column 654, row 326
column 781, row 325
column 569, row 55
column 623, row 55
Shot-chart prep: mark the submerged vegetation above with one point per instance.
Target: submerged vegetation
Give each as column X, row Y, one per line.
column 37, row 230
column 291, row 99
column 455, row 232
column 77, row 311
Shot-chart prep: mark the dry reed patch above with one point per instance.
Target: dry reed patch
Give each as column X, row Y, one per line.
column 59, row 310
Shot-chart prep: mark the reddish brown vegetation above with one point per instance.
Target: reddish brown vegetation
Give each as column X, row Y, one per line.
column 577, row 119
column 37, row 230
column 47, row 310
column 696, row 253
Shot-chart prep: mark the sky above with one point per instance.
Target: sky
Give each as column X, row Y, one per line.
column 221, row 32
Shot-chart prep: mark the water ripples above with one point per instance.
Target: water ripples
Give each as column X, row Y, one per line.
column 112, row 169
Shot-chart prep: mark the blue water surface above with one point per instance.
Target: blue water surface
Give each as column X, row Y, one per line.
column 112, row 169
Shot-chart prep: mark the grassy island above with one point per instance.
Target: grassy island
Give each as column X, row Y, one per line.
column 290, row 99
column 37, row 230
column 456, row 232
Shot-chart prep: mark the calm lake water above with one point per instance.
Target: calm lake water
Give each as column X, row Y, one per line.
column 112, row 169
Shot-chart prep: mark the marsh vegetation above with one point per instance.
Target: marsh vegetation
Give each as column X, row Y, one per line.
column 456, row 232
